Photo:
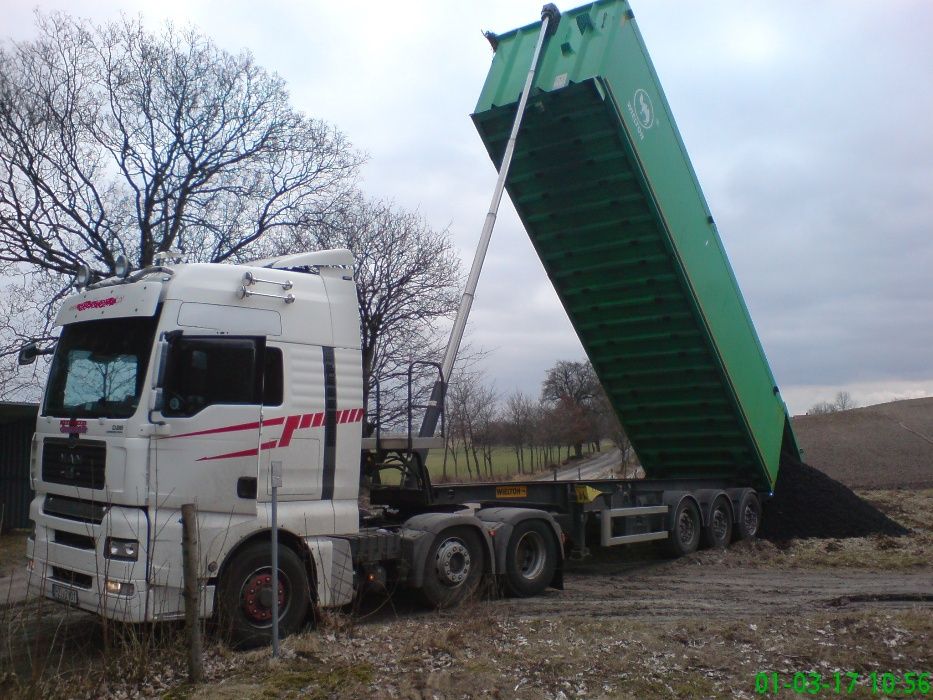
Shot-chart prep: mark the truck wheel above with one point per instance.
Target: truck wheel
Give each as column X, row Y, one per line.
column 685, row 536
column 749, row 516
column 245, row 596
column 718, row 534
column 530, row 559
column 454, row 567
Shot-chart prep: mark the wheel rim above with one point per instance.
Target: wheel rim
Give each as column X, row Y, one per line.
column 720, row 524
column 686, row 528
column 531, row 555
column 750, row 518
column 256, row 596
column 452, row 562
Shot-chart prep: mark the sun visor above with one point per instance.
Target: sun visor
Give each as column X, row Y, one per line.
column 137, row 299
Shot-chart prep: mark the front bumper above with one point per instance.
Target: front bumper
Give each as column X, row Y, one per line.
column 68, row 566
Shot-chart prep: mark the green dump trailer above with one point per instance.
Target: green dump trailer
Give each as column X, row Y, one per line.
column 603, row 185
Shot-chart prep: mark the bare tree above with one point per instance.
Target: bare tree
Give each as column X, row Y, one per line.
column 842, row 402
column 407, row 280
column 571, row 387
column 518, row 420
column 573, row 380
column 611, row 428
column 115, row 140
column 487, row 434
column 473, row 423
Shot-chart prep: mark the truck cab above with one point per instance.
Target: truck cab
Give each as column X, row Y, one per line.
column 185, row 383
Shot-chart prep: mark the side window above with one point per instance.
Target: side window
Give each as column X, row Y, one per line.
column 273, row 382
column 203, row 372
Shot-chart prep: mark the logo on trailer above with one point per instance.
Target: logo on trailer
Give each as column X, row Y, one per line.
column 511, row 491
column 641, row 110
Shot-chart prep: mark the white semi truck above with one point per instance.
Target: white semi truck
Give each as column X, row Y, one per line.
column 220, row 385
column 190, row 383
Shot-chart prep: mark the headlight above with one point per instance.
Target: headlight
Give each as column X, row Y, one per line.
column 125, row 550
column 119, row 587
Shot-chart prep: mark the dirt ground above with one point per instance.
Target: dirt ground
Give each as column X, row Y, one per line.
column 889, row 445
column 630, row 623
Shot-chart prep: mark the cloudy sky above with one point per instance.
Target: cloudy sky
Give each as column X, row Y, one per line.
column 810, row 126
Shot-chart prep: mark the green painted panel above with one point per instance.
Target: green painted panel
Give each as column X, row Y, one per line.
column 607, row 194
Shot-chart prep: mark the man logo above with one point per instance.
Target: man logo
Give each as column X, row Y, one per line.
column 644, row 110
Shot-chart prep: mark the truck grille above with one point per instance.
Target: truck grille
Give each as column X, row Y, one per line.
column 74, row 462
column 70, row 539
column 74, row 509
column 72, row 577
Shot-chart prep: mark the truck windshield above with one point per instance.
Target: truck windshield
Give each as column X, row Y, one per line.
column 99, row 368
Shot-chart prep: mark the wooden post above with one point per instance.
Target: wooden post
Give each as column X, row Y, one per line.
column 189, row 553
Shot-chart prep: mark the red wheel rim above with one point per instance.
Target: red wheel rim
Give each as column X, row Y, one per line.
column 256, row 599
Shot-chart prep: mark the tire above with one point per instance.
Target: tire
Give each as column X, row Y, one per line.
column 245, row 601
column 531, row 559
column 749, row 516
column 685, row 535
column 718, row 534
column 453, row 568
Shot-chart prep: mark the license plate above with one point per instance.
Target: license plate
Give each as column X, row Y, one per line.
column 64, row 594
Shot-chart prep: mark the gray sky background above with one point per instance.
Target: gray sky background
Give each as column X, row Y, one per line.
column 810, row 126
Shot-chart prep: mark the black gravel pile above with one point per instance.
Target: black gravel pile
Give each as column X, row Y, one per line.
column 807, row 503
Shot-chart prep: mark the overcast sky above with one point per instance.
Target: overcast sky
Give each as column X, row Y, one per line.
column 810, row 126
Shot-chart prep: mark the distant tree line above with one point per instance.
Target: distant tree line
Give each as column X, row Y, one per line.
column 571, row 414
column 842, row 402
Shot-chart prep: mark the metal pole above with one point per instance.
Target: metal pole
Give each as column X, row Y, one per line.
column 549, row 14
column 466, row 301
column 276, row 482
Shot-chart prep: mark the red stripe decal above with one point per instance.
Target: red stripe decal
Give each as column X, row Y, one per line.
column 242, row 453
column 233, row 428
column 292, row 423
column 290, row 426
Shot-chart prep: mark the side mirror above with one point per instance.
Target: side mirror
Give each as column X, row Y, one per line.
column 30, row 351
column 28, row 354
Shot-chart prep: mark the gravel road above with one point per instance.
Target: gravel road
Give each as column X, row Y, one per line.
column 603, row 465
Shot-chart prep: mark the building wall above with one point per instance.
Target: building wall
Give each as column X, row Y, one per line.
column 17, row 425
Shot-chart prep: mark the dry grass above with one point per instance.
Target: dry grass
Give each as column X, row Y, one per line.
column 506, row 649
column 478, row 654
column 12, row 551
